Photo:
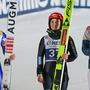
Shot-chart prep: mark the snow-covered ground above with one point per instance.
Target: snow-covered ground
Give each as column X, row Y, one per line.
column 29, row 30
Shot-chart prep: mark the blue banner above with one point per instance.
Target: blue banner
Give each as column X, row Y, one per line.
column 29, row 6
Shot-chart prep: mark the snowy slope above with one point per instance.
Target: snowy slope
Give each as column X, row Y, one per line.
column 30, row 28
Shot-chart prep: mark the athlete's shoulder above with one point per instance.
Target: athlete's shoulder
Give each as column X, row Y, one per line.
column 70, row 38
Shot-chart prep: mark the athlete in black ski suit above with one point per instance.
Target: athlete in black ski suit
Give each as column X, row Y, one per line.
column 86, row 49
column 48, row 48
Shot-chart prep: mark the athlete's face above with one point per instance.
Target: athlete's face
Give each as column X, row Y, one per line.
column 88, row 29
column 55, row 24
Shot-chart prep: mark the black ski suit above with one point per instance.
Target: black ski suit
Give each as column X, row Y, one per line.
column 50, row 53
column 86, row 45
